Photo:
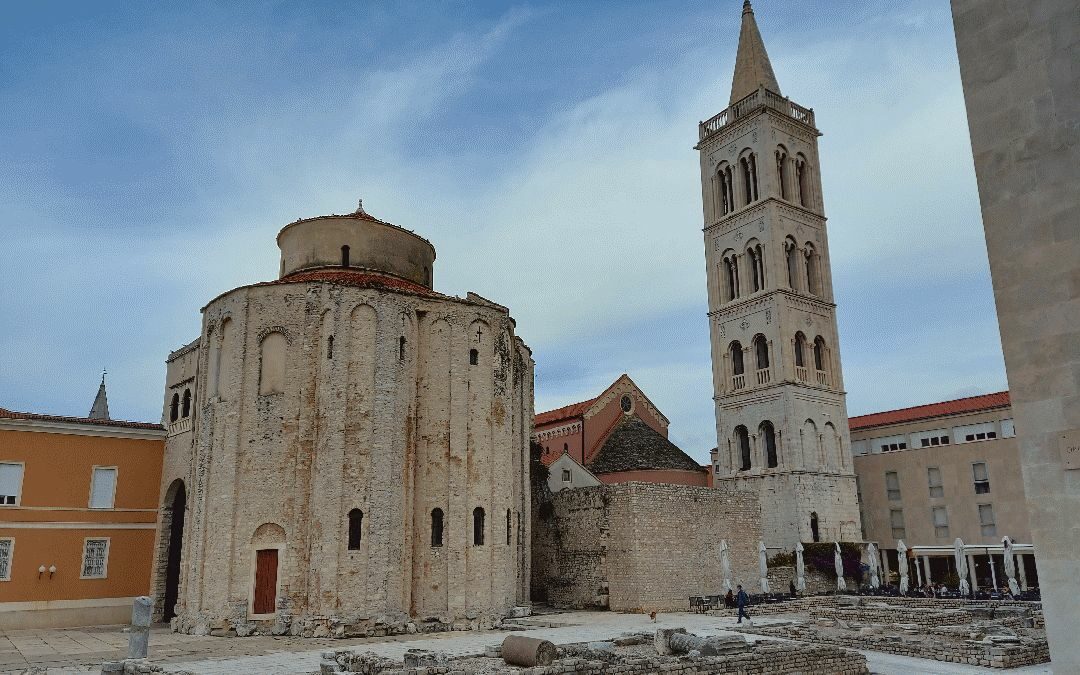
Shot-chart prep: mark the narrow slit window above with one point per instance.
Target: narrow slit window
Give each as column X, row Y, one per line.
column 356, row 529
column 474, row 357
column 478, row 526
column 509, row 526
column 344, row 256
column 330, row 347
column 436, row 527
column 401, row 348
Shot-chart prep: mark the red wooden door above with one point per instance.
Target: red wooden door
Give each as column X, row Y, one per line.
column 266, row 581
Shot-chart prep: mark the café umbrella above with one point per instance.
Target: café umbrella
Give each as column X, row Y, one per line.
column 725, row 564
column 961, row 566
column 800, row 568
column 901, row 562
column 838, row 563
column 1010, row 565
column 872, row 554
column 763, row 566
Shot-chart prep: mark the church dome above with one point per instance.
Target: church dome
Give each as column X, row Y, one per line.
column 355, row 241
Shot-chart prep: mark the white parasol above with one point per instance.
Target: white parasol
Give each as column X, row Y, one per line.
column 875, row 565
column 838, row 563
column 763, row 566
column 1010, row 566
column 901, row 562
column 961, row 566
column 800, row 569
column 725, row 564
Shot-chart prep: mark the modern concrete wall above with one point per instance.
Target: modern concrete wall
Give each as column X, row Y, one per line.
column 1018, row 61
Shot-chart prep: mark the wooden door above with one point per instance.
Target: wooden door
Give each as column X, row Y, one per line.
column 266, row 562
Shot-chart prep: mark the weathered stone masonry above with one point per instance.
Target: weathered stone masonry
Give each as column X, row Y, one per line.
column 337, row 391
column 642, row 546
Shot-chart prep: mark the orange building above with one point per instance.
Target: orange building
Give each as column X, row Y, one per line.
column 619, row 436
column 78, row 511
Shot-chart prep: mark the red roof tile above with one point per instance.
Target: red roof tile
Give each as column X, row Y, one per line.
column 565, row 412
column 345, row 277
column 13, row 415
column 921, row 412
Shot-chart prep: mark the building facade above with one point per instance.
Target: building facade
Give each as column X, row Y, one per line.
column 1022, row 93
column 781, row 417
column 355, row 456
column 933, row 473
column 619, row 436
column 78, row 508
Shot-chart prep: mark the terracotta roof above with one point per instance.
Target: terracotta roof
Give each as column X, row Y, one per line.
column 13, row 415
column 346, row 277
column 921, row 412
column 565, row 412
column 635, row 446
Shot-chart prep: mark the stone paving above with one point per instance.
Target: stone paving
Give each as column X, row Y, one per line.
column 81, row 650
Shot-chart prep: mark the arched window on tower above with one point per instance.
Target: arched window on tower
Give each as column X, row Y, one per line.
column 782, row 171
column 767, row 433
column 761, row 352
column 802, row 180
column 821, row 361
column 800, row 356
column 731, row 276
column 791, row 252
column 748, row 166
column 726, row 198
column 757, row 266
column 478, row 526
column 742, row 440
column 737, row 368
column 812, row 271
column 344, row 256
column 186, row 403
column 174, row 408
column 436, row 527
column 356, row 529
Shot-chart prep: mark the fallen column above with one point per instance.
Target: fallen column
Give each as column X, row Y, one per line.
column 518, row 650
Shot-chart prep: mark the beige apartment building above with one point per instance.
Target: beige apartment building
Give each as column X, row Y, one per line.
column 933, row 473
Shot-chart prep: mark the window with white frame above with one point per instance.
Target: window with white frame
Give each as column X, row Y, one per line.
column 860, row 447
column 892, row 486
column 981, row 476
column 896, row 523
column 985, row 431
column 1008, row 429
column 103, row 487
column 11, row 475
column 929, row 439
column 95, row 558
column 933, row 479
column 986, row 520
column 941, row 522
column 7, row 549
column 566, row 476
column 890, row 443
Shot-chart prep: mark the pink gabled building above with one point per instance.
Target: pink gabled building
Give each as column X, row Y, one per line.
column 620, row 436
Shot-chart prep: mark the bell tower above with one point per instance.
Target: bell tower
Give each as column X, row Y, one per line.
column 781, row 416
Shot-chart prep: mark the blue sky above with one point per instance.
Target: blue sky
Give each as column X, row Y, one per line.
column 151, row 152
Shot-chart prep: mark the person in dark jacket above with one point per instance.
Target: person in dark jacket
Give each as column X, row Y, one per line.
column 791, row 587
column 742, row 600
column 729, row 599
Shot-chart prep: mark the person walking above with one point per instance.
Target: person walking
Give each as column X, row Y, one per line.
column 742, row 600
column 791, row 588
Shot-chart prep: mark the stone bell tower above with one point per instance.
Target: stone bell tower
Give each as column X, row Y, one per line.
column 781, row 417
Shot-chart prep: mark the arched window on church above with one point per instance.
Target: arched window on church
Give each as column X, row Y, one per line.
column 186, row 403
column 813, row 274
column 814, row 533
column 356, row 529
column 478, row 526
column 474, row 357
column 345, row 256
column 768, row 435
column 401, row 348
column 436, row 527
column 272, row 363
column 330, row 347
column 742, row 440
column 761, row 352
column 821, row 361
column 782, row 171
column 802, row 179
column 800, row 356
column 174, row 408
column 735, row 349
column 791, row 252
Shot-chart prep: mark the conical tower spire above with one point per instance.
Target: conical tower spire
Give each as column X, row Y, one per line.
column 752, row 67
column 100, row 409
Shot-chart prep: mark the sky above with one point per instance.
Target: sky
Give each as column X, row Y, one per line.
column 150, row 152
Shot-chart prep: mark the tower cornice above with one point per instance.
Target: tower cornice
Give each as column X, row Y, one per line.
column 748, row 213
column 761, row 298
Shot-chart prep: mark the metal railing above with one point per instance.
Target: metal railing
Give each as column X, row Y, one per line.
column 744, row 106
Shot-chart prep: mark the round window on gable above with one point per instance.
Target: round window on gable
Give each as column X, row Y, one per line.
column 627, row 404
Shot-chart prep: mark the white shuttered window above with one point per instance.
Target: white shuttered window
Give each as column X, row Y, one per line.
column 11, row 476
column 103, row 488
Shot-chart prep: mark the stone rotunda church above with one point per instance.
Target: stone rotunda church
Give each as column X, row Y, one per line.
column 347, row 449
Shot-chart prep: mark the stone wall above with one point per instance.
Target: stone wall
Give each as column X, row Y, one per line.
column 917, row 616
column 642, row 546
column 816, row 582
